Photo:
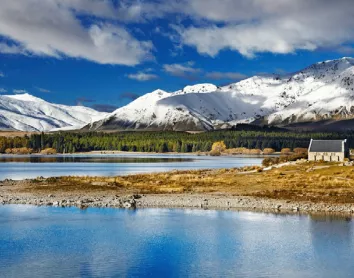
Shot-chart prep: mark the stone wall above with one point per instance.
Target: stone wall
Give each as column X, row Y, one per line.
column 336, row 156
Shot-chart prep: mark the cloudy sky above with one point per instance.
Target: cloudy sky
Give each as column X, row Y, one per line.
column 104, row 53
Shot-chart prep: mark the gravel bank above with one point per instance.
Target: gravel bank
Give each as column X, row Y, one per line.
column 205, row 201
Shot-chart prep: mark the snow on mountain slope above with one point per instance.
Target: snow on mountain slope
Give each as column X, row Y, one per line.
column 28, row 113
column 199, row 107
column 146, row 112
column 321, row 91
column 326, row 93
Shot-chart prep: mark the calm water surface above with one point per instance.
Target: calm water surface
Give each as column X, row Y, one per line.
column 21, row 167
column 68, row 242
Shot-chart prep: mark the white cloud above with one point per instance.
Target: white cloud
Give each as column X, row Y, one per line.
column 52, row 28
column 2, row 90
column 182, row 70
column 277, row 26
column 216, row 75
column 42, row 90
column 345, row 49
column 142, row 76
column 2, row 74
column 19, row 91
column 188, row 71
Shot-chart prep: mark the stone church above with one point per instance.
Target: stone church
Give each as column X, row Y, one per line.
column 328, row 150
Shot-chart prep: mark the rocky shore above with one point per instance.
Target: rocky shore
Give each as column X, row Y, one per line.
column 204, row 201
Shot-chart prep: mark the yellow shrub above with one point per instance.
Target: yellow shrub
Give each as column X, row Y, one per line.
column 285, row 151
column 49, row 151
column 218, row 146
column 268, row 151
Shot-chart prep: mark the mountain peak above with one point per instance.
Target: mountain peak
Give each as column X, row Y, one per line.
column 24, row 97
column 200, row 88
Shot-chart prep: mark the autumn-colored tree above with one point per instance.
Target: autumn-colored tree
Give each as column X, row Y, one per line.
column 218, row 146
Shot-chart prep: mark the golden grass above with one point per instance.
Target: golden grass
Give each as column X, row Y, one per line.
column 17, row 133
column 308, row 181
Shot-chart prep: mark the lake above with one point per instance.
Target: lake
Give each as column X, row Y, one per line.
column 32, row 166
column 69, row 242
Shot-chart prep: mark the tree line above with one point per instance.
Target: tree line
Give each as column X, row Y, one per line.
column 71, row 142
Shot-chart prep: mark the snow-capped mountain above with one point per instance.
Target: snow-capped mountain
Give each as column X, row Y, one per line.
column 28, row 113
column 323, row 91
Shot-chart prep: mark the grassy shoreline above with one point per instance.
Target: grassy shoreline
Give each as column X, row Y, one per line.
column 299, row 186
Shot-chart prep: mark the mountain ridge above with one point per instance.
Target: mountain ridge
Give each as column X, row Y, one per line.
column 317, row 93
column 24, row 112
column 320, row 96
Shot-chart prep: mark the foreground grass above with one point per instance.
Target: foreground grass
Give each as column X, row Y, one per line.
column 307, row 181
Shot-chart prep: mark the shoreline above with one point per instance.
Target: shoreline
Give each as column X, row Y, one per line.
column 144, row 153
column 184, row 201
column 295, row 187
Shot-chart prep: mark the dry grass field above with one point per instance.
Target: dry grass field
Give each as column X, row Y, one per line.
column 16, row 133
column 316, row 182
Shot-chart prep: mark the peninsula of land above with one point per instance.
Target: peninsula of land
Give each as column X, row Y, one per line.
column 300, row 186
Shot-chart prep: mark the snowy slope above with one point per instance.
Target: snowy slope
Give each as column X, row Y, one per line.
column 323, row 91
column 28, row 113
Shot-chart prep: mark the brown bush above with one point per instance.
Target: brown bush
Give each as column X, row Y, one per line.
column 49, row 151
column 23, row 150
column 269, row 161
column 268, row 151
column 255, row 151
column 285, row 151
column 236, row 150
column 300, row 150
column 215, row 153
column 252, row 151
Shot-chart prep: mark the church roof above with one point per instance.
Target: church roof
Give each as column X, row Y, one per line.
column 327, row 146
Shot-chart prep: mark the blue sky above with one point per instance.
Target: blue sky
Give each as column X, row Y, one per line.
column 105, row 53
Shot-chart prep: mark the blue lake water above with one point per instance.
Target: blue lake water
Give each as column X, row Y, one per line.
column 69, row 242
column 21, row 167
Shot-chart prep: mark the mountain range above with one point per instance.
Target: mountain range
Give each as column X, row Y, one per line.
column 28, row 113
column 320, row 96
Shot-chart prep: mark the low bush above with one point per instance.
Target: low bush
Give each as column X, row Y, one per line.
column 268, row 151
column 252, row 151
column 269, row 161
column 285, row 151
column 300, row 150
column 49, row 151
column 23, row 150
column 236, row 150
column 215, row 153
